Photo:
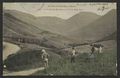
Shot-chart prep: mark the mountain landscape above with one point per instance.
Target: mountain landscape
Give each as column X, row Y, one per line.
column 82, row 19
column 56, row 24
column 16, row 27
column 58, row 36
column 76, row 27
column 100, row 28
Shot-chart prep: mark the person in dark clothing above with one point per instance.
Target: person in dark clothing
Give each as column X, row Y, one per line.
column 92, row 50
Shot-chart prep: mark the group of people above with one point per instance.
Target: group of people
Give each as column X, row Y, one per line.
column 94, row 48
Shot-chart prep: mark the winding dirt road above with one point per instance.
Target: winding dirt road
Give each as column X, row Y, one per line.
column 23, row 73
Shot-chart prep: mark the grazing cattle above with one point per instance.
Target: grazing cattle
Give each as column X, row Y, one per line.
column 96, row 48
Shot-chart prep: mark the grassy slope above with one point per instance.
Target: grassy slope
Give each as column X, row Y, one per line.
column 14, row 25
column 103, row 64
column 28, row 57
column 55, row 24
column 81, row 19
column 113, row 36
column 102, row 27
column 31, row 59
column 19, row 26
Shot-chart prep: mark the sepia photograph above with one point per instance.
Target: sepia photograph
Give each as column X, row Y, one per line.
column 59, row 39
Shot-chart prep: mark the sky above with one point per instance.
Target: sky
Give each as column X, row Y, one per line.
column 61, row 10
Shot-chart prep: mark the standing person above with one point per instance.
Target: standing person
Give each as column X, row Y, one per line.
column 92, row 54
column 45, row 58
column 92, row 49
column 100, row 48
column 73, row 55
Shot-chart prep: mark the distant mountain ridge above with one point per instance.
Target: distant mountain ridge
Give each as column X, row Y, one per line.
column 82, row 19
column 80, row 28
column 100, row 28
column 55, row 24
column 14, row 26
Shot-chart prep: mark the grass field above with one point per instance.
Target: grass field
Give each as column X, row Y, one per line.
column 101, row 64
column 27, row 59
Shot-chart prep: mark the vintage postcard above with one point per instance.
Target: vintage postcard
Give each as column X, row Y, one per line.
column 59, row 39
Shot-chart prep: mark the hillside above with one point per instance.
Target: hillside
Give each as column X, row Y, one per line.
column 15, row 26
column 113, row 36
column 19, row 26
column 101, row 28
column 55, row 24
column 81, row 19
column 78, row 29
